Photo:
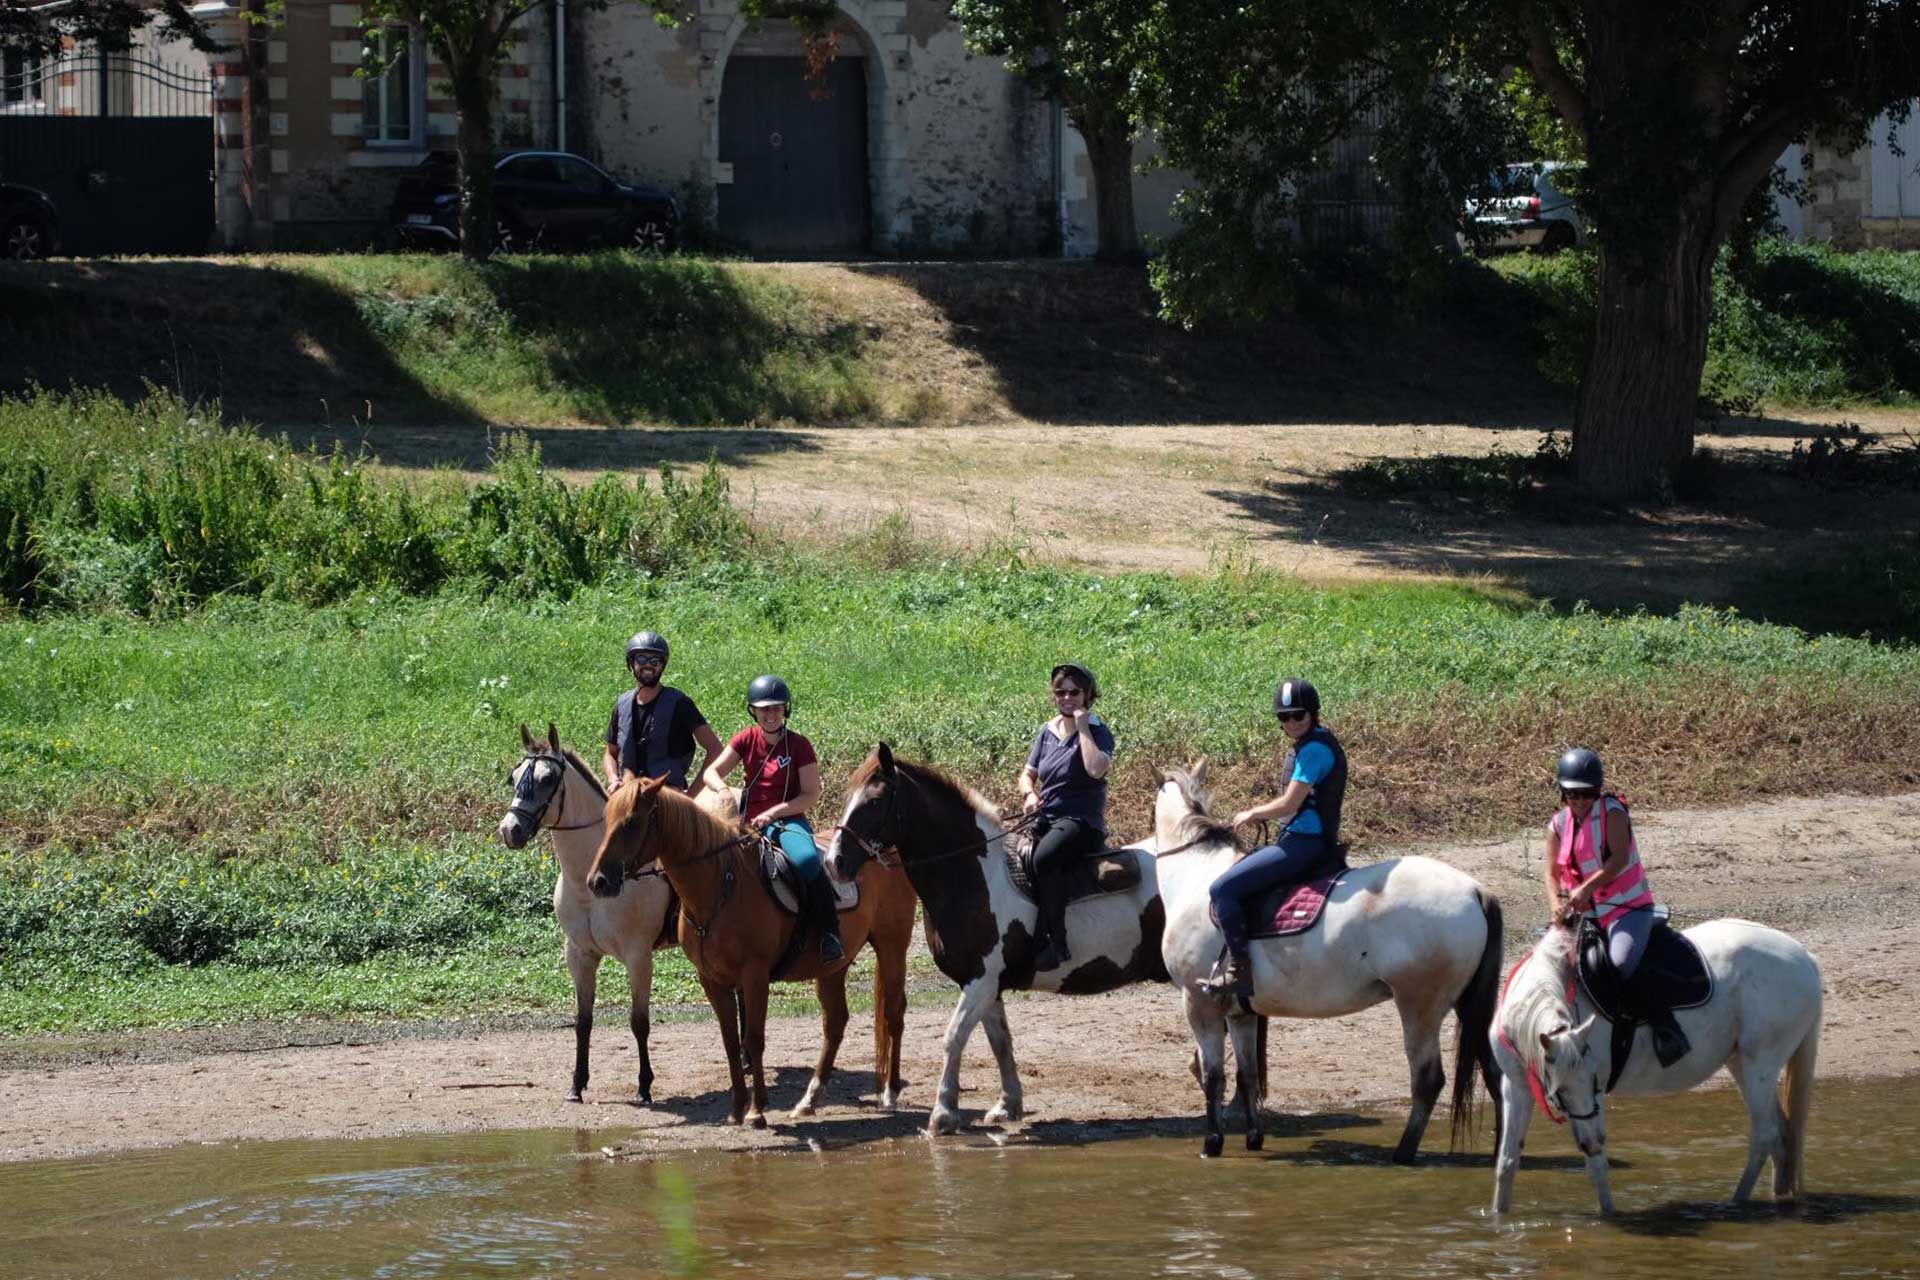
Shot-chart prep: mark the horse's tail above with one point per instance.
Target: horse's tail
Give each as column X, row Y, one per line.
column 1789, row 1172
column 1474, row 1011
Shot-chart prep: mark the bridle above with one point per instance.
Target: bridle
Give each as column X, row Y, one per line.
column 524, row 809
column 888, row 854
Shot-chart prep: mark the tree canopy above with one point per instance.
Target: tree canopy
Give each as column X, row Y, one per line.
column 43, row 28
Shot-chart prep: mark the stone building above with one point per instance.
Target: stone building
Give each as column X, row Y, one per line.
column 906, row 143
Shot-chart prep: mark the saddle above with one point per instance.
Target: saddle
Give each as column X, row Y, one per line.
column 783, row 882
column 1672, row 975
column 1288, row 909
column 1109, row 871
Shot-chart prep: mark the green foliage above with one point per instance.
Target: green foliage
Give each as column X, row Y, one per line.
column 1497, row 481
column 152, row 507
column 1845, row 456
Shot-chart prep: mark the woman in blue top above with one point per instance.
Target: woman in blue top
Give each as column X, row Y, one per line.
column 1308, row 812
column 1065, row 782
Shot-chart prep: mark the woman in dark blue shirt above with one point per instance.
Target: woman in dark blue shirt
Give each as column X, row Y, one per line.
column 1065, row 781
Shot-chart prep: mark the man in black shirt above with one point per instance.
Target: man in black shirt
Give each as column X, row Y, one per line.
column 655, row 726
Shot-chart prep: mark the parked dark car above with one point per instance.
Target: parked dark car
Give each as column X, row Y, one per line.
column 29, row 224
column 541, row 199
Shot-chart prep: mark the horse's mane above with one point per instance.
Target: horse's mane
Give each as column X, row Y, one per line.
column 593, row 779
column 1199, row 826
column 929, row 777
column 677, row 819
column 1536, row 1000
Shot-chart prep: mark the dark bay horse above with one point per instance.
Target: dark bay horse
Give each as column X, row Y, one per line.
column 979, row 926
column 737, row 934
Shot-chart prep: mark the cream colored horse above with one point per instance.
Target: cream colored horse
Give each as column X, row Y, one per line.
column 555, row 791
column 1412, row 930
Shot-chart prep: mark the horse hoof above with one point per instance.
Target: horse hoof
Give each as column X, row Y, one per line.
column 1255, row 1140
column 886, row 1102
column 757, row 1120
column 801, row 1111
column 575, row 1096
column 943, row 1122
column 733, row 1117
column 1213, row 1145
column 1002, row 1113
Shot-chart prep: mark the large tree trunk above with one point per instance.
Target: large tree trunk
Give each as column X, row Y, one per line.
column 1109, row 137
column 1639, row 399
column 474, row 142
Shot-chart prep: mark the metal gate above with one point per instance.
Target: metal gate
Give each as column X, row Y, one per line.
column 123, row 146
column 799, row 154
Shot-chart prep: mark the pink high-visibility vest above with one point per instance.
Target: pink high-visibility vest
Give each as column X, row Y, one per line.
column 1580, row 857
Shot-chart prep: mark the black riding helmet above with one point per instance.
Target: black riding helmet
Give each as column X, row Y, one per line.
column 769, row 691
column 1296, row 695
column 1082, row 677
column 1580, row 770
column 649, row 642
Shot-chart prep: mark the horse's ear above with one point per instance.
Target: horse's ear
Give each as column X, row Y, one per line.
column 1585, row 1029
column 526, row 739
column 553, row 736
column 650, row 785
column 1548, row 1037
column 884, row 754
column 1199, row 771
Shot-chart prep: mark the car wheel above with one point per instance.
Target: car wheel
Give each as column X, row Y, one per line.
column 23, row 239
column 1559, row 236
column 650, row 235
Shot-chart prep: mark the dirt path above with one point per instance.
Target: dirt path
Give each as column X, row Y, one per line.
column 1833, row 873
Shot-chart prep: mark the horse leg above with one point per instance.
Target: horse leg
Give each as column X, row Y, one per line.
column 754, row 998
column 1209, row 1025
column 1598, row 1173
column 747, row 1059
column 973, row 1002
column 832, row 990
column 1420, row 1030
column 725, row 1004
column 889, row 1021
column 1758, row 1080
column 640, row 987
column 1246, row 1069
column 1012, row 1104
column 1516, row 1113
column 585, row 967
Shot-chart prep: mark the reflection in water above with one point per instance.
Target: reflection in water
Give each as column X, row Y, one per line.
column 1322, row 1200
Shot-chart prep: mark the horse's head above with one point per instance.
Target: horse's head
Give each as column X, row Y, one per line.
column 1183, row 796
column 624, row 849
column 1570, row 1079
column 870, row 827
column 538, row 781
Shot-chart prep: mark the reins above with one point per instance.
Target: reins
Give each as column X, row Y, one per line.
column 888, row 855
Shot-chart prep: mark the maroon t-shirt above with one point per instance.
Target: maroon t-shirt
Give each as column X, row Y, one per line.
column 772, row 775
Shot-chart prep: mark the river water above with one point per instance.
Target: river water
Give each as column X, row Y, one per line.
column 1321, row 1200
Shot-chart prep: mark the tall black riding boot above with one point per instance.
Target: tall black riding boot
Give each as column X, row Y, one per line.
column 826, row 917
column 1232, row 975
column 1670, row 1043
column 1051, row 899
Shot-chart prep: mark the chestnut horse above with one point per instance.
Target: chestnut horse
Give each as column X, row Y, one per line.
column 736, row 934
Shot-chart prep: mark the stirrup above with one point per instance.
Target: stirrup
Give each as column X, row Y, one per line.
column 832, row 950
column 1229, row 979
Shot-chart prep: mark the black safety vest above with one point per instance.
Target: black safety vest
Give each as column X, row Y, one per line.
column 1330, row 792
column 652, row 757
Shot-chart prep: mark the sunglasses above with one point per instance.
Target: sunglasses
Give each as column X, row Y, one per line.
column 1291, row 717
column 1067, row 692
column 1571, row 796
column 648, row 662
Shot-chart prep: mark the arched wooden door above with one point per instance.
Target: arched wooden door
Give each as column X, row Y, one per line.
column 799, row 154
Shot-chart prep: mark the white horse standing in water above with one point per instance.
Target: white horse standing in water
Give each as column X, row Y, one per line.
column 554, row 790
column 1418, row 932
column 1762, row 1020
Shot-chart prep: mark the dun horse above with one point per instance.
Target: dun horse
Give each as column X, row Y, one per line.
column 1418, row 932
column 1759, row 1016
column 738, row 935
column 979, row 925
column 553, row 790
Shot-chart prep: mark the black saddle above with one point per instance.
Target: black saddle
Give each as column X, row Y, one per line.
column 1672, row 975
column 1109, row 871
column 783, row 882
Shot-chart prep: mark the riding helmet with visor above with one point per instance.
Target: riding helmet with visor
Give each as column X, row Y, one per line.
column 1296, row 695
column 1081, row 676
column 1579, row 770
column 650, row 643
column 769, row 691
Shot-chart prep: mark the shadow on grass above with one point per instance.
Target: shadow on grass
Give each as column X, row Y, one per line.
column 1080, row 342
column 1773, row 546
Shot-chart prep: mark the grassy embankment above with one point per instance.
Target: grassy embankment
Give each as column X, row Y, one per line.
column 256, row 712
column 338, row 342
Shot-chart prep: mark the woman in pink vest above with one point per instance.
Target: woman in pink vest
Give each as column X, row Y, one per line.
column 1593, row 866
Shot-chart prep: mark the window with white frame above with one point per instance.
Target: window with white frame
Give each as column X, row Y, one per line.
column 20, row 81
column 393, row 100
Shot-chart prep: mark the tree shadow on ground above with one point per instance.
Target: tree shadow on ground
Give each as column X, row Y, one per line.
column 1773, row 546
column 1077, row 342
column 471, row 447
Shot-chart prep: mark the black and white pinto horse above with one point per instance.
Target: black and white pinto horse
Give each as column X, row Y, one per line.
column 979, row 926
